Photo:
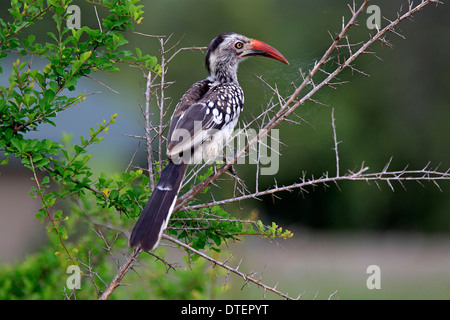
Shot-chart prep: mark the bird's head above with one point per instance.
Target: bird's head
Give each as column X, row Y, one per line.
column 228, row 49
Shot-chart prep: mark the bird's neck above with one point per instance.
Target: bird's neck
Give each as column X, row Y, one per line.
column 220, row 75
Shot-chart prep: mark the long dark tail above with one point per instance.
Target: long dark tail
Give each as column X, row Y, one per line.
column 154, row 218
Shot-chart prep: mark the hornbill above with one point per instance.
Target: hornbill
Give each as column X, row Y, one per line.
column 201, row 125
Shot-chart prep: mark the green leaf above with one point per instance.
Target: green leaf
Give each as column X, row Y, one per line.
column 8, row 134
column 85, row 56
column 114, row 194
column 4, row 162
column 138, row 53
column 18, row 144
column 49, row 96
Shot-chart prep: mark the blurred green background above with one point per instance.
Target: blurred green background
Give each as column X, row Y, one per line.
column 400, row 111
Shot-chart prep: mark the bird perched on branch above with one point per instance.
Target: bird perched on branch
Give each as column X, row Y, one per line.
column 201, row 125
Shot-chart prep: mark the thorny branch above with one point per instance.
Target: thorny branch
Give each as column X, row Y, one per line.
column 424, row 174
column 247, row 277
column 271, row 118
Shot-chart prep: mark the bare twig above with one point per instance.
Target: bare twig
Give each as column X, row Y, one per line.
column 98, row 20
column 185, row 49
column 361, row 175
column 247, row 277
column 120, row 274
column 335, row 142
column 148, row 130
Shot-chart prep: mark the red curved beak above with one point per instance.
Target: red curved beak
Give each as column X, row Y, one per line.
column 259, row 48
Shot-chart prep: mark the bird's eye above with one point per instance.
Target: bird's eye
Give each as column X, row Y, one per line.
column 238, row 45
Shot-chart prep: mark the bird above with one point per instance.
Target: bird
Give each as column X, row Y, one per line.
column 202, row 123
